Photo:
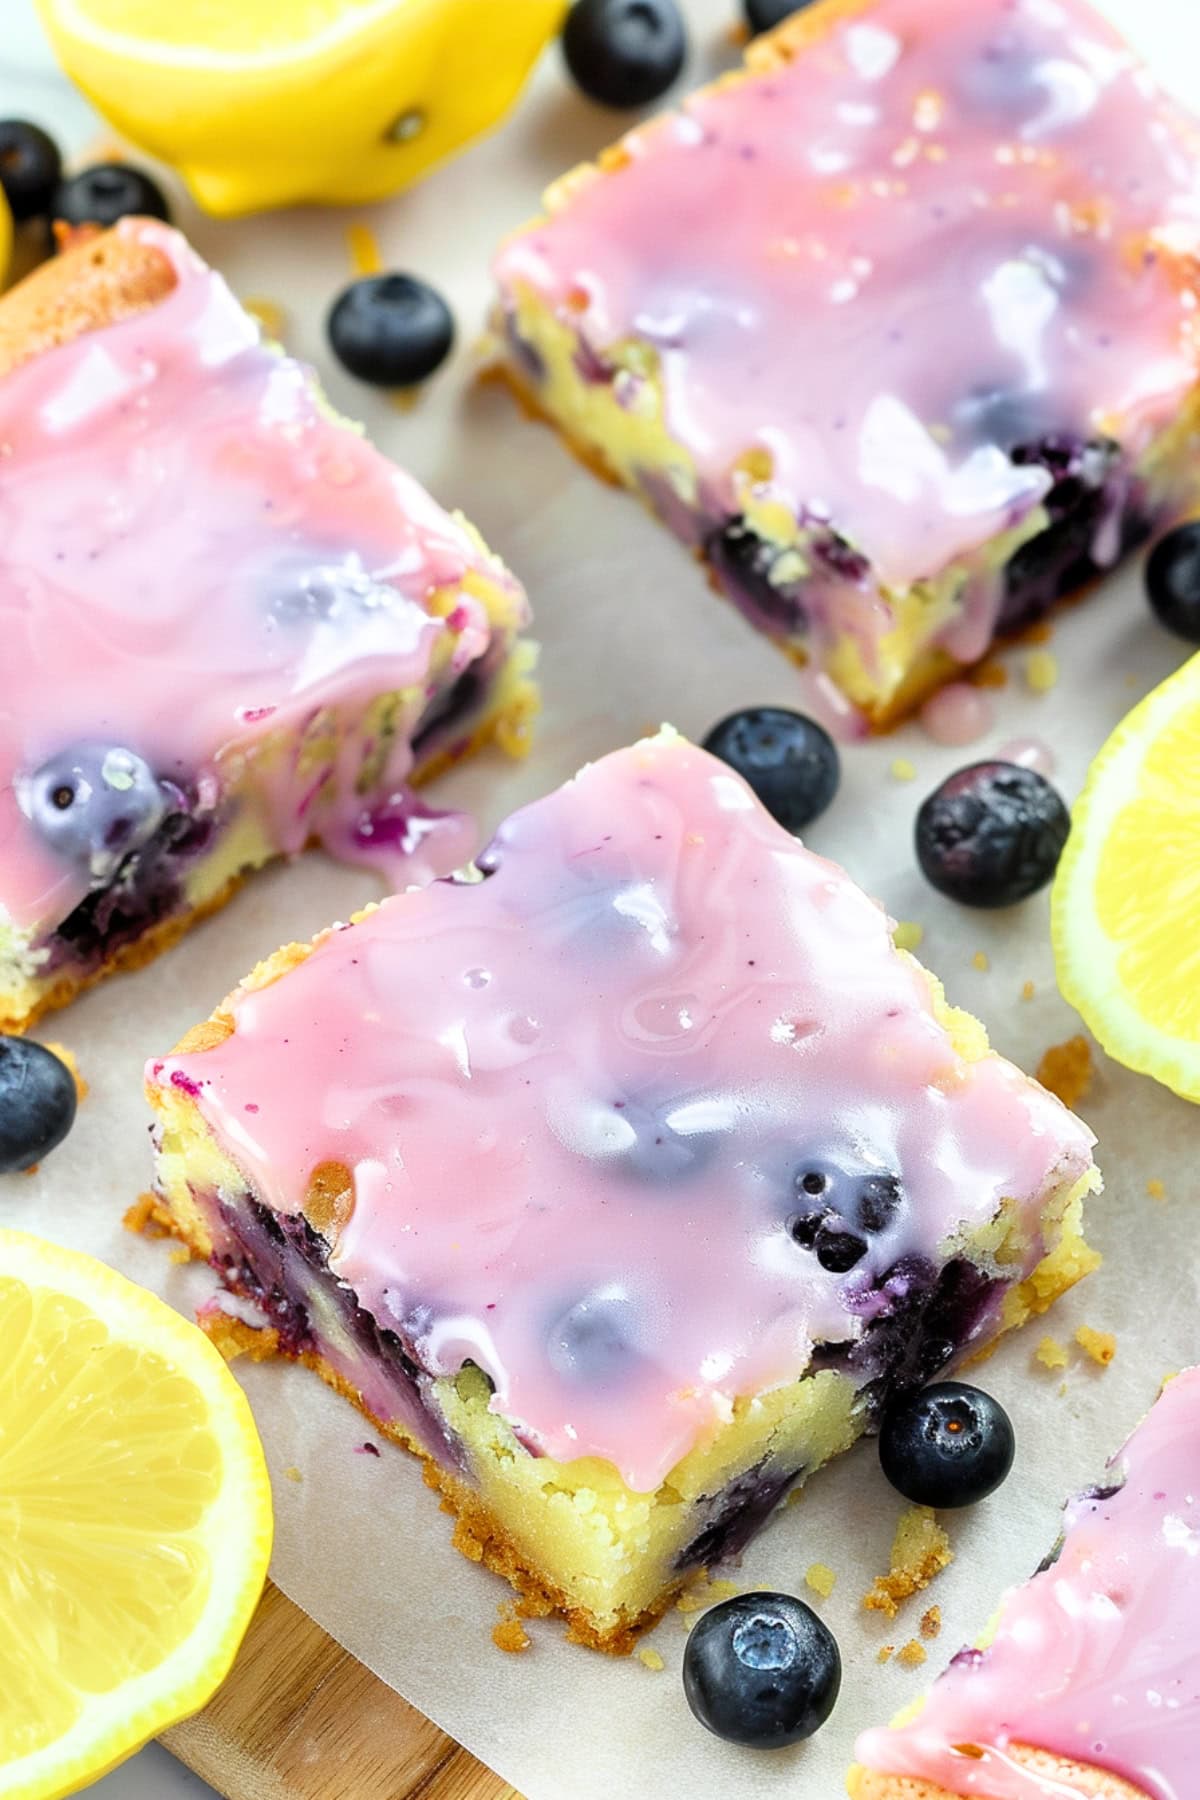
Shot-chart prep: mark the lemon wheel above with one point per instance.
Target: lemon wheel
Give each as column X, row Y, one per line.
column 1126, row 904
column 135, row 1518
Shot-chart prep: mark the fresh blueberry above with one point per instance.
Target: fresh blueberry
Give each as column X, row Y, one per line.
column 94, row 804
column 949, row 1445
column 30, row 168
column 37, row 1103
column 761, row 1670
column 391, row 330
column 1173, row 581
column 762, row 15
column 992, row 834
column 593, row 1342
column 827, row 1195
column 624, row 53
column 105, row 193
column 790, row 761
column 747, row 566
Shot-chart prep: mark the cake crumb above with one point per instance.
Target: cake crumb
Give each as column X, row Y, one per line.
column 67, row 1057
column 1027, row 990
column 650, row 1659
column 908, row 935
column 363, row 245
column 981, row 961
column 1101, row 1346
column 723, row 1590
column 292, row 1473
column 820, row 1578
column 931, row 1622
column 234, row 1338
column 988, row 675
column 146, row 1217
column 885, row 1653
column 1156, row 1189
column 903, row 769
column 1041, row 671
column 912, row 1654
column 920, row 1550
column 180, row 1255
column 509, row 1635
column 1066, row 1069
column 1051, row 1354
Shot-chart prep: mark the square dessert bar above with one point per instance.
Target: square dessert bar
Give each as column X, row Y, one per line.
column 230, row 626
column 622, row 1180
column 1088, row 1682
column 896, row 327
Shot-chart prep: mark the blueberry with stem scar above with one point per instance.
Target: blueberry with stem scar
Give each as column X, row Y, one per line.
column 761, row 1670
column 94, row 804
column 949, row 1445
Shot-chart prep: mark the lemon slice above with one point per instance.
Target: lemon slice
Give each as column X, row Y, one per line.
column 266, row 102
column 135, row 1518
column 1126, row 904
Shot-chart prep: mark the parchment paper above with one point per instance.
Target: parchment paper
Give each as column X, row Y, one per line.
column 632, row 636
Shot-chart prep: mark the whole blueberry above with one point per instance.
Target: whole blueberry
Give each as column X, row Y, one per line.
column 761, row 15
column 624, row 53
column 105, row 193
column 94, row 804
column 789, row 760
column 37, row 1103
column 761, row 1670
column 992, row 834
column 1173, row 581
column 391, row 330
column 949, row 1445
column 30, row 168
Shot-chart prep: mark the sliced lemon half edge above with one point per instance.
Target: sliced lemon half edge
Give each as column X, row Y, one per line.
column 135, row 1518
column 1126, row 902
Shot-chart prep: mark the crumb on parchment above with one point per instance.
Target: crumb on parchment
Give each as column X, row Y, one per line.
column 292, row 1473
column 920, row 1550
column 234, row 1338
column 885, row 1653
column 1066, row 1069
column 931, row 1622
column 1027, row 990
column 508, row 1633
column 650, row 1659
column 1156, row 1189
column 703, row 1592
column 820, row 1578
column 68, row 1057
column 903, row 769
column 1041, row 671
column 1051, row 1354
column 908, row 935
column 912, row 1654
column 981, row 961
column 1101, row 1346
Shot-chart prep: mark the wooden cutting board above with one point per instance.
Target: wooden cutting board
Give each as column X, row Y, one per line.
column 300, row 1719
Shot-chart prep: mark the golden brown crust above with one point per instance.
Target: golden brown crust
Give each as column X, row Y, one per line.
column 95, row 282
column 1072, row 1778
column 329, row 1201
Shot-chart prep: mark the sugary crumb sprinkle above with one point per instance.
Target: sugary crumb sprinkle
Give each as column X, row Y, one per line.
column 931, row 1622
column 1101, row 1346
column 509, row 1635
column 1066, row 1069
column 1027, row 990
column 885, row 1653
column 908, row 935
column 820, row 1578
column 650, row 1659
column 1051, row 1354
column 920, row 1550
column 981, row 961
column 912, row 1654
column 1041, row 671
column 1156, row 1189
column 292, row 1473
column 903, row 769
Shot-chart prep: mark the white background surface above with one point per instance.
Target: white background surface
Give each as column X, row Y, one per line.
column 360, row 1542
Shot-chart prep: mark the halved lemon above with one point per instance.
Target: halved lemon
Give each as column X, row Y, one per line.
column 135, row 1518
column 1126, row 904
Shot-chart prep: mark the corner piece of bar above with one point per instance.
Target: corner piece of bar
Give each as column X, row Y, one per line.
column 623, row 1184
column 231, row 627
column 1088, row 1683
column 897, row 327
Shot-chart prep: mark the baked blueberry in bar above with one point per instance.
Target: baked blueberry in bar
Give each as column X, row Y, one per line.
column 895, row 327
column 1087, row 1684
column 230, row 626
column 622, row 1179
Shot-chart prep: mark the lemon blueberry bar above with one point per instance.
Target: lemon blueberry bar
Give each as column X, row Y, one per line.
column 1087, row 1685
column 622, row 1178
column 230, row 625
column 895, row 327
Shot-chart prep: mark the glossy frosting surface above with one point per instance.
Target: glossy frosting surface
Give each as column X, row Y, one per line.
column 939, row 232
column 1098, row 1657
column 578, row 1100
column 195, row 554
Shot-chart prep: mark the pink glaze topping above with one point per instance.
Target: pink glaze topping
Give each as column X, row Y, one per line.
column 937, row 232
column 957, row 714
column 195, row 555
column 579, row 1099
column 1097, row 1658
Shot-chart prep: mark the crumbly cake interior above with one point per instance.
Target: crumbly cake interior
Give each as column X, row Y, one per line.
column 601, row 1445
column 358, row 641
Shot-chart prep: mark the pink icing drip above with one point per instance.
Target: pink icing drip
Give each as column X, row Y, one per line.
column 932, row 211
column 1097, row 1658
column 956, row 715
column 589, row 1081
column 164, row 480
